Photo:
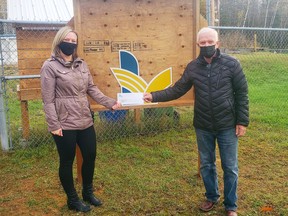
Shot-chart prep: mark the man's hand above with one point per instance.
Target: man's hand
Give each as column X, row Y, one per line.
column 240, row 130
column 147, row 97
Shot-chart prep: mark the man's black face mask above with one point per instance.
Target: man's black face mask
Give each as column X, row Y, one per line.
column 67, row 48
column 207, row 51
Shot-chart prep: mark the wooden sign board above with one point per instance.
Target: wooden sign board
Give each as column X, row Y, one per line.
column 159, row 33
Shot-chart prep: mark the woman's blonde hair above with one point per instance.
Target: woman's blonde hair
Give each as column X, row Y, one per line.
column 59, row 37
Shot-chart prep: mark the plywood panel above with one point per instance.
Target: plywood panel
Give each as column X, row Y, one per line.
column 29, row 63
column 34, row 53
column 29, row 83
column 160, row 33
column 34, row 47
column 29, row 94
column 30, row 71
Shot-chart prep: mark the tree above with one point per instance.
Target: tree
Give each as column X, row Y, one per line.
column 246, row 14
column 256, row 13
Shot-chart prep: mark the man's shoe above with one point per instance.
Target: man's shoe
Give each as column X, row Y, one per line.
column 207, row 205
column 231, row 213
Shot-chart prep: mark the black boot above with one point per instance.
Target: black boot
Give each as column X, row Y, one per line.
column 88, row 195
column 74, row 203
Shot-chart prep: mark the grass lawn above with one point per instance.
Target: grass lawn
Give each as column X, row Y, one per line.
column 158, row 174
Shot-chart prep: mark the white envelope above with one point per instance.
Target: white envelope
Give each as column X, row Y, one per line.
column 130, row 99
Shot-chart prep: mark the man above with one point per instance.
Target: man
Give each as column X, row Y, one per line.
column 221, row 113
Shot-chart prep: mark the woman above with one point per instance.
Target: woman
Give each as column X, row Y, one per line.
column 65, row 83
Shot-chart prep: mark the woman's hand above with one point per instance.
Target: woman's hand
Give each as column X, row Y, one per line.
column 57, row 132
column 116, row 106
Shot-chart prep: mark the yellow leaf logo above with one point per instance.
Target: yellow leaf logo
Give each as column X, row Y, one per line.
column 130, row 81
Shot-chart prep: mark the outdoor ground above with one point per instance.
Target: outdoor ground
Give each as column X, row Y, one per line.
column 157, row 175
column 150, row 176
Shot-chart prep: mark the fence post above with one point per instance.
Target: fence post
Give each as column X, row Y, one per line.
column 25, row 119
column 255, row 42
column 3, row 126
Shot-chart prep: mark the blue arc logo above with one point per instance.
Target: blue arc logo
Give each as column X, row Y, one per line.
column 128, row 76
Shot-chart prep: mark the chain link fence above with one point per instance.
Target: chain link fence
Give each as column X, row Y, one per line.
column 23, row 123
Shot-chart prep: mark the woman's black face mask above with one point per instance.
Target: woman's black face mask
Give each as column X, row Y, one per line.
column 67, row 48
column 207, row 51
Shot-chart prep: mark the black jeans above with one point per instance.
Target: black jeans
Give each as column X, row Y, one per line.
column 66, row 146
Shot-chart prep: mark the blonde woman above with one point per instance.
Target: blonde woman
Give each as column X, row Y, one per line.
column 65, row 83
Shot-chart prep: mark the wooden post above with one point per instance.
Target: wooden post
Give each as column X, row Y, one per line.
column 212, row 9
column 137, row 116
column 199, row 175
column 25, row 119
column 255, row 42
column 195, row 28
column 79, row 161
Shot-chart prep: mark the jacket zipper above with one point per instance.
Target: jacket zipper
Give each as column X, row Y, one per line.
column 209, row 66
column 79, row 94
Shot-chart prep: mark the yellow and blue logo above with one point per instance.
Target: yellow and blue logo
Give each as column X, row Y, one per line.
column 128, row 76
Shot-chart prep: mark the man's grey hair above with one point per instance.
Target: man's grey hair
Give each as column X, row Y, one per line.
column 205, row 30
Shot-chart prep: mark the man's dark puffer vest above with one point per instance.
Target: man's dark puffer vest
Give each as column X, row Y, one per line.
column 221, row 92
